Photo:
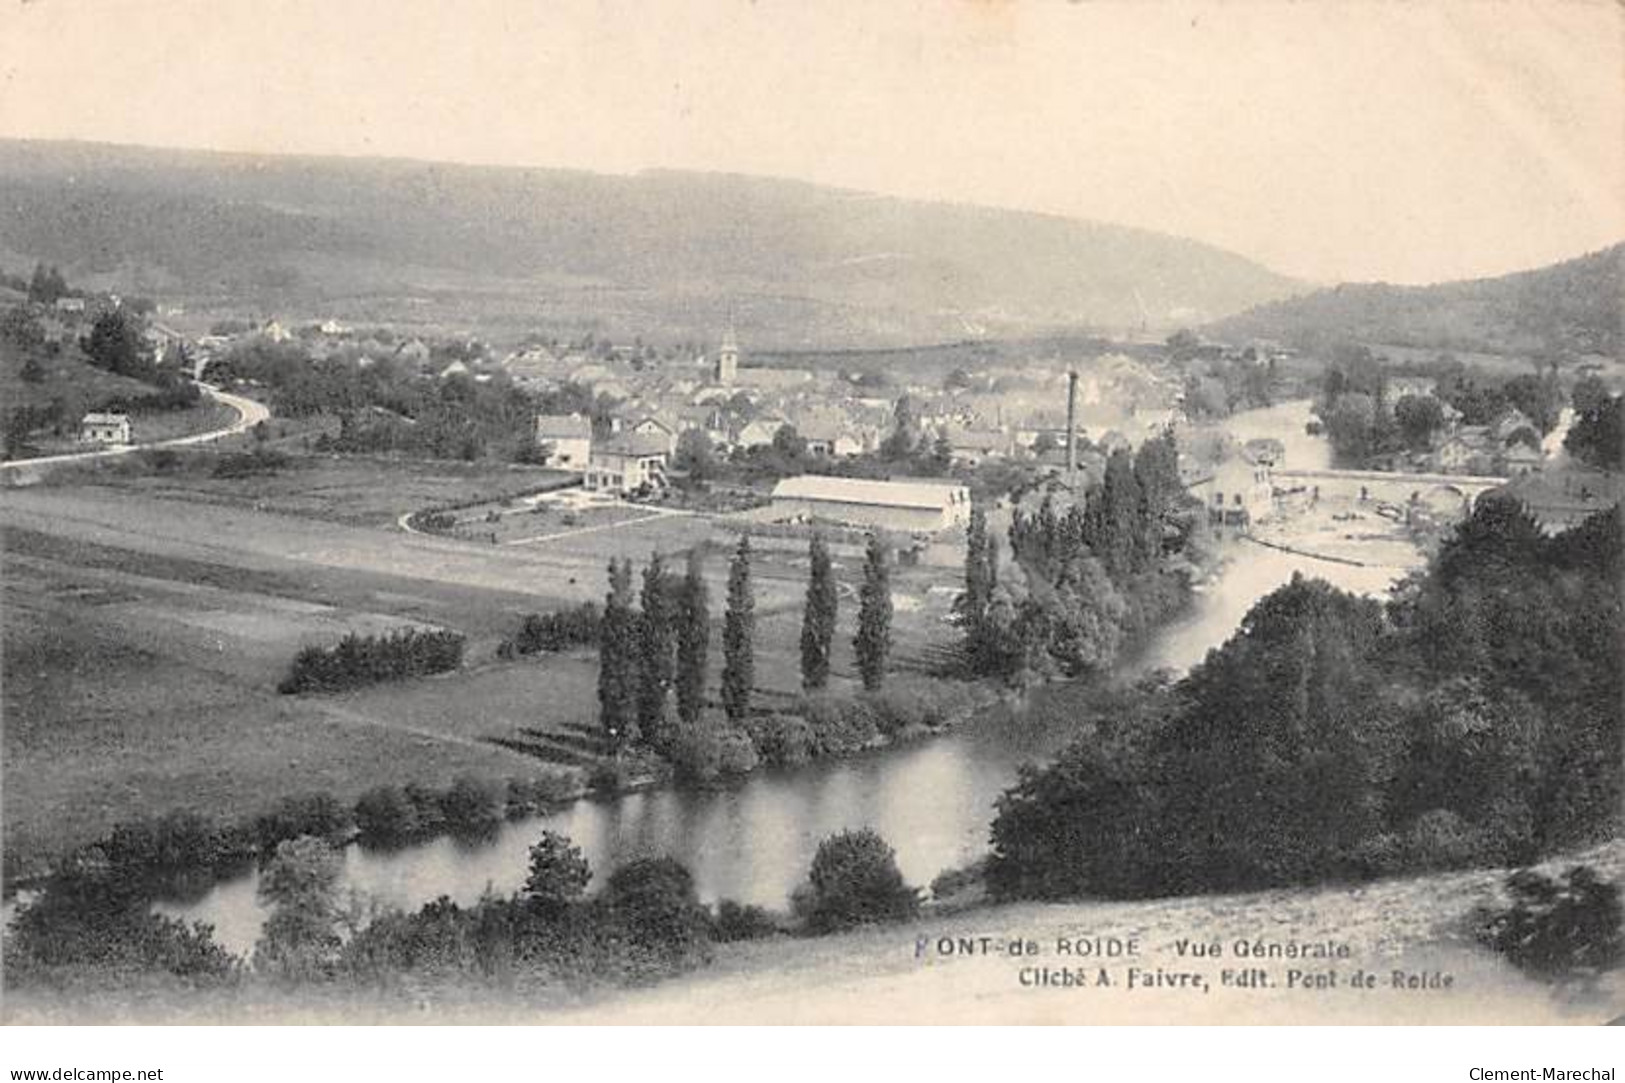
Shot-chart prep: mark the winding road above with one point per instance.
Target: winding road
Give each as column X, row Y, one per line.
column 249, row 414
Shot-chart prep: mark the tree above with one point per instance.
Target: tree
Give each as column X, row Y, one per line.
column 980, row 579
column 115, row 344
column 1418, row 418
column 738, row 633
column 300, row 940
column 873, row 640
column 47, row 285
column 818, row 617
column 657, row 658
column 854, row 880
column 559, row 875
column 693, row 641
column 905, row 435
column 617, row 659
column 1044, row 443
column 695, row 456
column 1596, row 436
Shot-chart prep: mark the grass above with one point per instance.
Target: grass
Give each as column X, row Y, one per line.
column 146, row 630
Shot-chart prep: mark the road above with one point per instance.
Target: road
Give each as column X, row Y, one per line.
column 249, row 414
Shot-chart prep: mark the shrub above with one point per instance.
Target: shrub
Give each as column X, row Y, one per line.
column 318, row 814
column 1441, row 839
column 781, row 740
column 712, row 748
column 384, row 815
column 1557, row 930
column 243, row 464
column 426, row 808
column 555, row 631
column 651, row 905
column 473, row 807
column 897, row 709
column 528, row 796
column 177, row 841
column 854, row 880
column 739, row 921
column 840, row 724
column 357, row 661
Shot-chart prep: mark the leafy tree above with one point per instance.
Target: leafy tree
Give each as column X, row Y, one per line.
column 559, row 875
column 618, row 659
column 1044, row 443
column 300, row 941
column 693, row 640
column 695, row 455
column 1418, row 418
column 652, row 906
column 1537, row 396
column 738, row 632
column 1596, row 438
column 854, row 880
column 47, row 285
column 1589, row 392
column 818, row 617
column 657, row 661
column 115, row 344
column 873, row 641
column 980, row 579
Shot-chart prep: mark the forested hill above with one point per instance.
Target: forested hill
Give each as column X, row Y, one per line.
column 797, row 263
column 1574, row 306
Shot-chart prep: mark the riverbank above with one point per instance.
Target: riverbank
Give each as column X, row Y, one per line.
column 935, row 970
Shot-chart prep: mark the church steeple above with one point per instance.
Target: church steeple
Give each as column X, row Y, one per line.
column 728, row 355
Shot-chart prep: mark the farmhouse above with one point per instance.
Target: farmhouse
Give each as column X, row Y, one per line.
column 105, row 429
column 569, row 438
column 627, row 463
column 917, row 506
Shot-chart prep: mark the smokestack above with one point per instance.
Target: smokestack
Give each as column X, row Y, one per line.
column 1071, row 428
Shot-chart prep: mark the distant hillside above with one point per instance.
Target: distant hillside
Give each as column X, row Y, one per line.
column 1576, row 306
column 666, row 252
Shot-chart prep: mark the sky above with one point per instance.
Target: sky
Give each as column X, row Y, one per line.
column 1353, row 140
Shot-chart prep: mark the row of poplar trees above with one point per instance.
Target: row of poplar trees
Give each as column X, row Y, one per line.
column 654, row 647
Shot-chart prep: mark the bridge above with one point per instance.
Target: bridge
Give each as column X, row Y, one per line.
column 1456, row 492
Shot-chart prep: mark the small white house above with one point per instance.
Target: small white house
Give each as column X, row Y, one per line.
column 104, row 429
column 568, row 438
column 626, row 463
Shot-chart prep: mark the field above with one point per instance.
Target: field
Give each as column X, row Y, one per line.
column 352, row 490
column 147, row 621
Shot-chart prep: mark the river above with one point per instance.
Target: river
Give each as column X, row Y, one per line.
column 753, row 842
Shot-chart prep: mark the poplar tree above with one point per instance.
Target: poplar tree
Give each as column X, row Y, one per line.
column 738, row 628
column 617, row 659
column 873, row 641
column 657, row 656
column 979, row 583
column 818, row 618
column 693, row 640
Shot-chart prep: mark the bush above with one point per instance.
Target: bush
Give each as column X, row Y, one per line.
column 427, row 812
column 528, row 796
column 1557, row 930
column 854, row 880
column 897, row 709
column 651, row 905
column 781, row 740
column 1441, row 839
column 555, row 631
column 712, row 748
column 840, row 724
column 385, row 816
column 739, row 921
column 178, row 841
column 318, row 814
column 244, row 464
column 473, row 807
column 357, row 661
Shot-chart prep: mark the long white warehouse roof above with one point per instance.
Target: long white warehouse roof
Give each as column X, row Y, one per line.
column 890, row 494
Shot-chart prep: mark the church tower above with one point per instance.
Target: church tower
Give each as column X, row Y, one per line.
column 728, row 357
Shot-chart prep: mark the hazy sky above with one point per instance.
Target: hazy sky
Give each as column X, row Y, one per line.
column 1352, row 140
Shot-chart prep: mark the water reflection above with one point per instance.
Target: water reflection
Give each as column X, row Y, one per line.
column 932, row 800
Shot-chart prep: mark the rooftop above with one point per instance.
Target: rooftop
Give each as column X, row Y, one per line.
column 892, row 494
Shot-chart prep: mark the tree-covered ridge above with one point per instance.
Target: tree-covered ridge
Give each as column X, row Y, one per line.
column 1476, row 719
column 1570, row 307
